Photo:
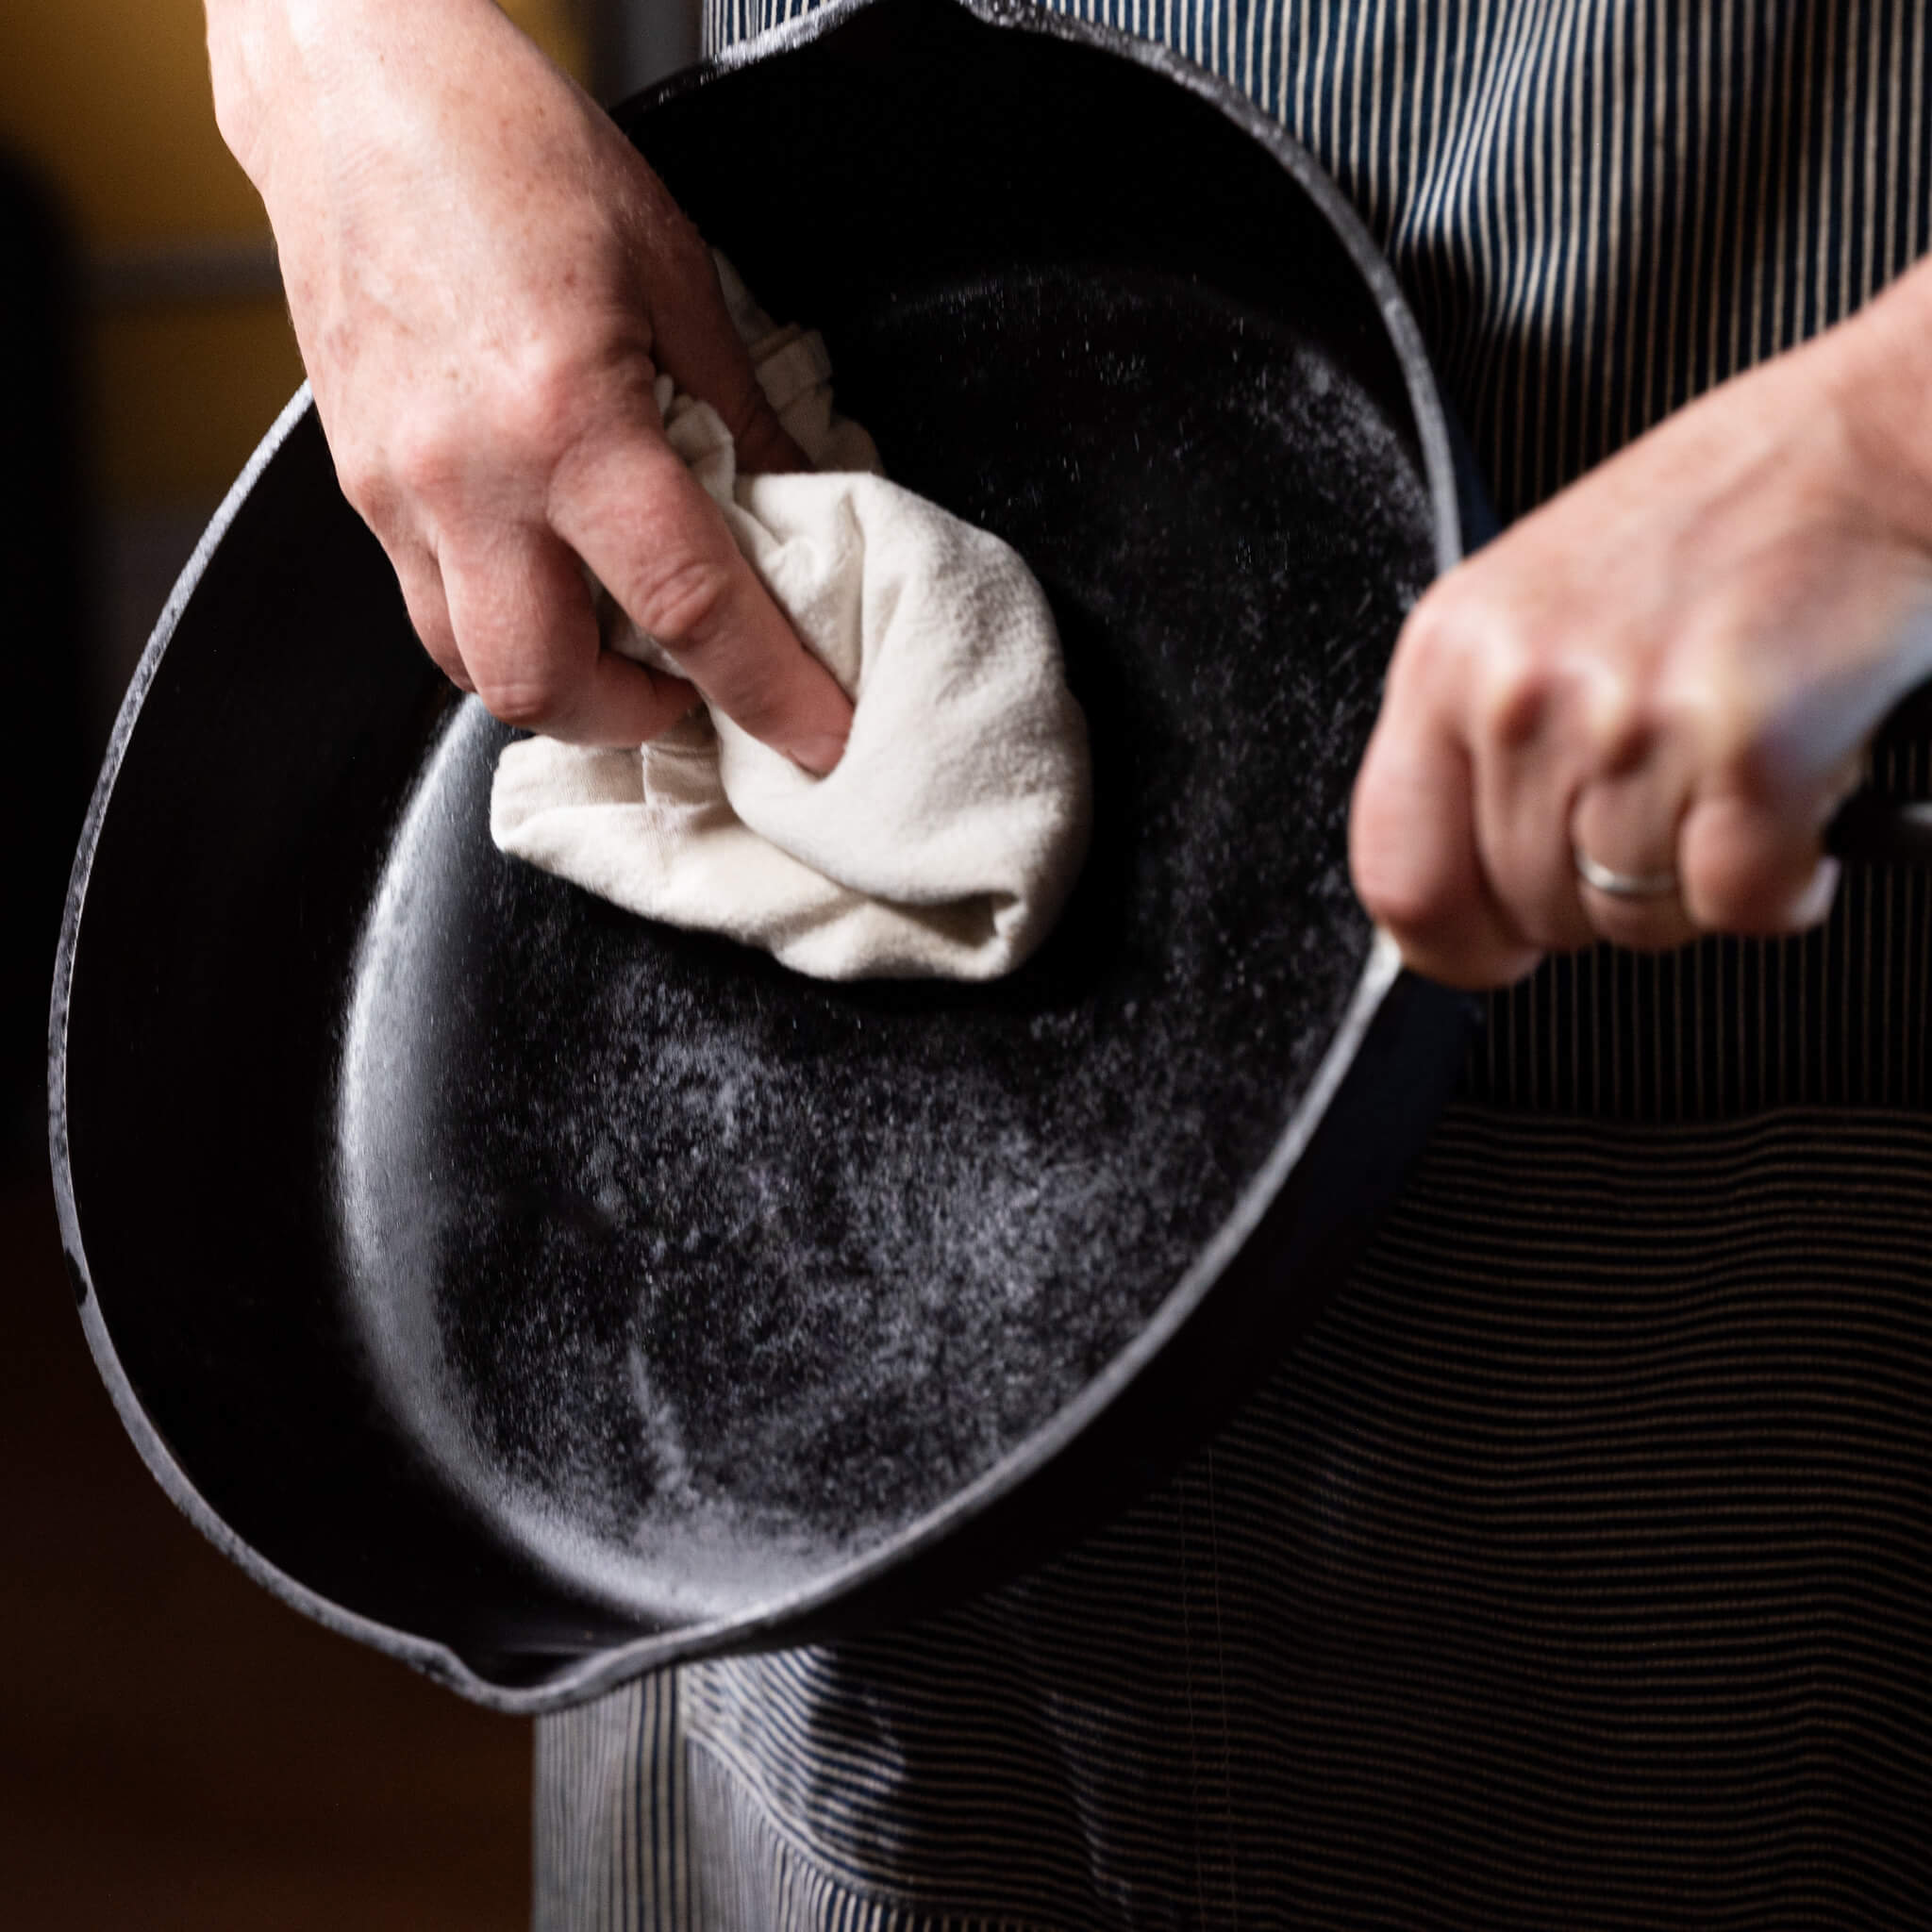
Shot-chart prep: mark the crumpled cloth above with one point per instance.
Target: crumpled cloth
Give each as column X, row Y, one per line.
column 945, row 842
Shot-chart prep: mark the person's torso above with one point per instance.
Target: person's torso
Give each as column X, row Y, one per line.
column 1599, row 209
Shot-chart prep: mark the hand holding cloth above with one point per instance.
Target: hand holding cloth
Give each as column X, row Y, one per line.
column 945, row 843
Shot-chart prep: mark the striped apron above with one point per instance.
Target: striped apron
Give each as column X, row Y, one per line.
column 1577, row 1569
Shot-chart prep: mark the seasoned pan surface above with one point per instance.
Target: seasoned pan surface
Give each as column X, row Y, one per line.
column 700, row 1254
column 542, row 1293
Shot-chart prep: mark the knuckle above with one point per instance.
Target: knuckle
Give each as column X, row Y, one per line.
column 1469, row 647
column 681, row 597
column 1721, row 706
column 1519, row 691
column 366, row 482
column 542, row 401
column 1413, row 902
column 1431, row 639
column 1626, row 726
column 423, row 459
column 569, row 382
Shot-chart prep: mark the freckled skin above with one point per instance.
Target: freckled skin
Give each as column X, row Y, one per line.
column 485, row 279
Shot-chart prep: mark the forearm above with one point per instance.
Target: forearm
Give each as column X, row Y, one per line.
column 1880, row 366
column 272, row 60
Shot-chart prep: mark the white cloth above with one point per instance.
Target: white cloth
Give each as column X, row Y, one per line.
column 945, row 843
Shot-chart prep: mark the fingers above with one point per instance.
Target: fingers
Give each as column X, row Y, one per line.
column 521, row 612
column 1524, row 778
column 502, row 606
column 1745, row 870
column 1626, row 828
column 1740, row 856
column 1513, row 803
column 697, row 343
column 642, row 522
column 1412, row 849
column 1660, row 679
column 422, row 582
column 507, row 614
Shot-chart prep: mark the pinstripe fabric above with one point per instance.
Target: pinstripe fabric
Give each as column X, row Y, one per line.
column 1598, row 208
column 1576, row 1572
column 612, row 1838
column 1730, row 1026
column 1590, row 1586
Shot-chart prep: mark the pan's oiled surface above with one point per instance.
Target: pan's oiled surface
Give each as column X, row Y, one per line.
column 545, row 1296
column 692, row 1274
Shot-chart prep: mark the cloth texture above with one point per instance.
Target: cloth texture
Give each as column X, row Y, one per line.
column 1574, row 1572
column 946, row 840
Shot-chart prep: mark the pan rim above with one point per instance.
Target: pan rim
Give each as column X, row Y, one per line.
column 1381, row 972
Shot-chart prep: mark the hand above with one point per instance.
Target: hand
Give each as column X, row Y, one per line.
column 485, row 278
column 1673, row 668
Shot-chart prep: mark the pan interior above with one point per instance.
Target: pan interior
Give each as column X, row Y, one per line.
column 694, row 1276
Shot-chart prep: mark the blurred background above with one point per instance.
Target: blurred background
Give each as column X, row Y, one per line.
column 176, row 1749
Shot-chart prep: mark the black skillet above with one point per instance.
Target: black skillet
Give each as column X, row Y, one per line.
column 541, row 1295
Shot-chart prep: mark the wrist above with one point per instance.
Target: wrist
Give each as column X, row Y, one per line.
column 247, row 49
column 271, row 62
column 1881, row 367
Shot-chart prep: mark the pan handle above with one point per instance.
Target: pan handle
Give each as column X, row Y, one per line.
column 1877, row 829
column 1867, row 826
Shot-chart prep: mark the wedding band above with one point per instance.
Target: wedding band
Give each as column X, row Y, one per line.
column 1623, row 885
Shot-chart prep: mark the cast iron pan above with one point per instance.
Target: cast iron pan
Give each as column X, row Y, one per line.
column 542, row 1295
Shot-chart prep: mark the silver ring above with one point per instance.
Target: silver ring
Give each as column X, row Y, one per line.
column 1624, row 885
